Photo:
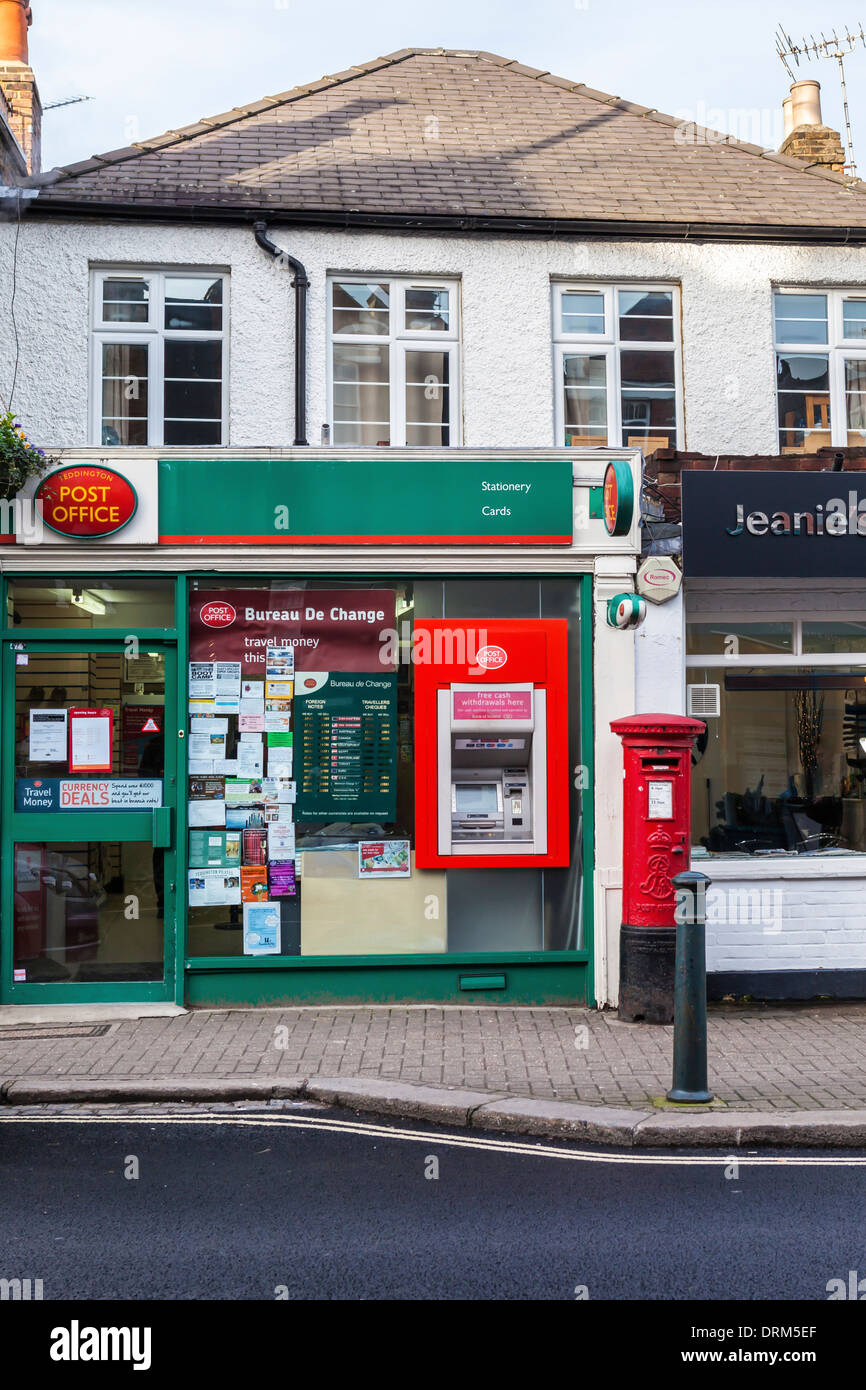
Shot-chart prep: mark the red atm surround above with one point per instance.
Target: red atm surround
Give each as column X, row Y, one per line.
column 536, row 652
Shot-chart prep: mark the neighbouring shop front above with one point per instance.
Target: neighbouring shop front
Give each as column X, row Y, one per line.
column 776, row 665
column 299, row 729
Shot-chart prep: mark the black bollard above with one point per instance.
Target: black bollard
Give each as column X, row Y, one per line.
column 690, row 991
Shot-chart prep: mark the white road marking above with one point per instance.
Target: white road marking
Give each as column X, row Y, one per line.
column 720, row 1156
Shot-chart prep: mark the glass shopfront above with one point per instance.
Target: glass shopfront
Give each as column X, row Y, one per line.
column 301, row 776
column 782, row 767
column 215, row 777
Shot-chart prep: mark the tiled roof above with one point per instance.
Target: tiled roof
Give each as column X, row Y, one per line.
column 432, row 132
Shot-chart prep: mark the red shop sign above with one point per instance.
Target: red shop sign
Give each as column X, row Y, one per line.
column 86, row 501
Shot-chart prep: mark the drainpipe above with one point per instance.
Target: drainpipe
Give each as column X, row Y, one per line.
column 301, row 284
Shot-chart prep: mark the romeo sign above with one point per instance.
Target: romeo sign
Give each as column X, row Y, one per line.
column 86, row 501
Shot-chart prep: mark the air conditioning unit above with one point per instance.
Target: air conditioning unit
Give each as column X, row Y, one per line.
column 704, row 701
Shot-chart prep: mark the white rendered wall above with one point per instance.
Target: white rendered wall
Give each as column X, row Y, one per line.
column 728, row 368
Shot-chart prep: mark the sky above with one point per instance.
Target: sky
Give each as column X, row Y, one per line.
column 150, row 67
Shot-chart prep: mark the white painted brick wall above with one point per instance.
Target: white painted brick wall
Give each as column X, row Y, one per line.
column 810, row 924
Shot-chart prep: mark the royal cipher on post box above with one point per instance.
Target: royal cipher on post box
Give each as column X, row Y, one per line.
column 491, row 743
column 655, row 846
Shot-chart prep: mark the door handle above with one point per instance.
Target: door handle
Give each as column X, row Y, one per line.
column 162, row 827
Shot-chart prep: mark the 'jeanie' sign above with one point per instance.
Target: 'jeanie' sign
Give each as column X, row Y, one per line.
column 764, row 524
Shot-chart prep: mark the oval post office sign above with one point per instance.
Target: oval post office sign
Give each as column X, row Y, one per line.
column 618, row 498
column 86, row 501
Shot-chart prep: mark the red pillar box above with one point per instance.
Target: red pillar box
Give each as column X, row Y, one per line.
column 656, row 837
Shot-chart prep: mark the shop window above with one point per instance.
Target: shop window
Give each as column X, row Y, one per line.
column 616, row 352
column 158, row 367
column 820, row 341
column 301, row 776
column 99, row 602
column 394, row 362
column 782, row 768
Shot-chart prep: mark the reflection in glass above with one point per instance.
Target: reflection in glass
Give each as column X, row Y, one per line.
column 582, row 313
column 646, row 316
column 801, row 318
column 428, row 398
column 361, row 309
column 783, row 768
column 585, row 399
column 361, row 394
column 70, row 922
column 124, row 393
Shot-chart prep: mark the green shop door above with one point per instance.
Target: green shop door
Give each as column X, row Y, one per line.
column 89, row 810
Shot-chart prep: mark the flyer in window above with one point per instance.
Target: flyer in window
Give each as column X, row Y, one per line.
column 214, row 887
column 279, row 662
column 202, row 680
column 252, row 697
column 48, row 736
column 254, row 884
column 277, row 789
column 281, row 840
column 278, row 720
column 207, row 745
column 279, row 690
column 251, row 762
column 243, row 791
column 251, row 723
column 261, row 929
column 384, row 859
column 280, row 762
column 199, row 767
column 208, row 724
column 207, row 813
column 90, row 737
column 283, row 880
column 227, row 679
column 201, row 707
column 215, row 849
column 227, row 704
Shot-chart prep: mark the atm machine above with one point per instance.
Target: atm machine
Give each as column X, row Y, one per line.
column 492, row 753
column 488, row 800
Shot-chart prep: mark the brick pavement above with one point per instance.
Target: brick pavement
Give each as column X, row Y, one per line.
column 761, row 1058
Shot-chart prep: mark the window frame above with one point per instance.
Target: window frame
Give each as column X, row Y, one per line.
column 154, row 334
column 838, row 350
column 612, row 345
column 399, row 342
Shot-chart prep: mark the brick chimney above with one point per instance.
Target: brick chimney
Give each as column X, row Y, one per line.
column 806, row 137
column 17, row 82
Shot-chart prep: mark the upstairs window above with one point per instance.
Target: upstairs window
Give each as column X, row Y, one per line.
column 820, row 368
column 394, row 369
column 616, row 352
column 158, row 357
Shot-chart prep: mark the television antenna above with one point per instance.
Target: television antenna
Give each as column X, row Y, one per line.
column 64, row 101
column 836, row 46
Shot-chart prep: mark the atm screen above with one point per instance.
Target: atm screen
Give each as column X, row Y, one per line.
column 476, row 798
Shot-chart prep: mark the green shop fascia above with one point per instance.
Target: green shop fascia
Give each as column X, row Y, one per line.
column 209, row 737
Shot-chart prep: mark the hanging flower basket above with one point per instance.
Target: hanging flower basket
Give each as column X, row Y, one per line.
column 19, row 459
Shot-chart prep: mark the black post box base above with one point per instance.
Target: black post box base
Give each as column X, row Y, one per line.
column 646, row 974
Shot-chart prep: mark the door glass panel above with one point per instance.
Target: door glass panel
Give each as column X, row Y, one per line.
column 85, row 715
column 91, row 603
column 88, row 912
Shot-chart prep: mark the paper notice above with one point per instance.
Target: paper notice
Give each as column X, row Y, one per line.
column 47, row 736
